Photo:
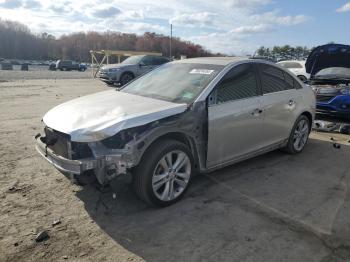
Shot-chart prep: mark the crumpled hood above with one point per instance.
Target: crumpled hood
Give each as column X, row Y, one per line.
column 98, row 116
column 326, row 56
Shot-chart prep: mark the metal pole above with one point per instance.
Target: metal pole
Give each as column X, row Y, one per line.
column 171, row 39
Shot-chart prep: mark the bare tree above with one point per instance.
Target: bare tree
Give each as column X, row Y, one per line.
column 16, row 41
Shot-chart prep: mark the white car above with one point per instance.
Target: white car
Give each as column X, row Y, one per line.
column 297, row 68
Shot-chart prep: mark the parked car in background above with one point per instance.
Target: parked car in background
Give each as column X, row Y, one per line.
column 68, row 65
column 329, row 67
column 130, row 68
column 52, row 66
column 188, row 116
column 6, row 65
column 297, row 68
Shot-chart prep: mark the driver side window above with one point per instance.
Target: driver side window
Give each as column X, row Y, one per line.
column 239, row 83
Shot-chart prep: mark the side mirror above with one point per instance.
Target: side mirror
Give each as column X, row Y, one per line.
column 141, row 64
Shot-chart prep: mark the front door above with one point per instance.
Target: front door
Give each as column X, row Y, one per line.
column 234, row 116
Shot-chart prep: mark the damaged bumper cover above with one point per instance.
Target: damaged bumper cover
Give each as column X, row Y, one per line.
column 110, row 164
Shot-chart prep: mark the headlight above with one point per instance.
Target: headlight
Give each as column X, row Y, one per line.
column 345, row 91
column 113, row 69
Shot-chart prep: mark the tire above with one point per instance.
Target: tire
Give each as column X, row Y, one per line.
column 300, row 132
column 126, row 78
column 302, row 78
column 151, row 178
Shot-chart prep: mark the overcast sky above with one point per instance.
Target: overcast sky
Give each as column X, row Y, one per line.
column 229, row 26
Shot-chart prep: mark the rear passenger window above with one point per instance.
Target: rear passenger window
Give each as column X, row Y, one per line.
column 272, row 79
column 238, row 83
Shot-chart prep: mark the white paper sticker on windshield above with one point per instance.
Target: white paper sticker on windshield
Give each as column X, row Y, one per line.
column 201, row 71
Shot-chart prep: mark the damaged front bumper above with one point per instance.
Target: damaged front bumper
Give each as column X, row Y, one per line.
column 63, row 164
column 105, row 167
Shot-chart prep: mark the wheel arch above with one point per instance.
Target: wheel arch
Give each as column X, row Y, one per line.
column 127, row 72
column 301, row 75
column 178, row 136
column 309, row 116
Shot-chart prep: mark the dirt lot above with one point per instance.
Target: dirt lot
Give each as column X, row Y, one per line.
column 275, row 207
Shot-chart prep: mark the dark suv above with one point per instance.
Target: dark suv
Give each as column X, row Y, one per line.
column 68, row 65
column 130, row 68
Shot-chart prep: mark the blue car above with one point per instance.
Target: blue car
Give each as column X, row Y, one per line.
column 329, row 68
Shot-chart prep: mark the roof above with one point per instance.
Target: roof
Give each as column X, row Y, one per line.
column 213, row 60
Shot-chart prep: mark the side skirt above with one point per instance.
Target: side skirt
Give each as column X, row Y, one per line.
column 261, row 151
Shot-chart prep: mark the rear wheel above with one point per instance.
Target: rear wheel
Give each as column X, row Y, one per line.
column 164, row 173
column 299, row 136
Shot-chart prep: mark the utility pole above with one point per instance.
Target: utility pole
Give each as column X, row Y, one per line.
column 171, row 39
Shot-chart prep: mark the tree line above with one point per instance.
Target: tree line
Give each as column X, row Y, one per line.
column 18, row 42
column 286, row 52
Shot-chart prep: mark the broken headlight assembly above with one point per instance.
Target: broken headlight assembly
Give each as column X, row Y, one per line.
column 119, row 140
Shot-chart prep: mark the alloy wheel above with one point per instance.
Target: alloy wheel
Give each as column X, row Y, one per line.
column 301, row 135
column 171, row 175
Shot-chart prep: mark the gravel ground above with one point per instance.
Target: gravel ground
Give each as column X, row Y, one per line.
column 274, row 207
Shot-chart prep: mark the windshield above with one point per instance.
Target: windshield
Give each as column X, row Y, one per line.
column 337, row 72
column 174, row 82
column 133, row 60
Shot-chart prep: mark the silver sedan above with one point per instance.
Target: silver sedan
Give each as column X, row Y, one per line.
column 185, row 117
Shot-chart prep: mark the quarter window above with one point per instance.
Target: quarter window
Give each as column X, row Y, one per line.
column 289, row 80
column 272, row 79
column 238, row 83
column 297, row 85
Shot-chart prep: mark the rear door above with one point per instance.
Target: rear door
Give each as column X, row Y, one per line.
column 280, row 102
column 234, row 116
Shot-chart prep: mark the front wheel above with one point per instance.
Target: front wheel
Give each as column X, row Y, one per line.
column 299, row 136
column 164, row 173
column 126, row 78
